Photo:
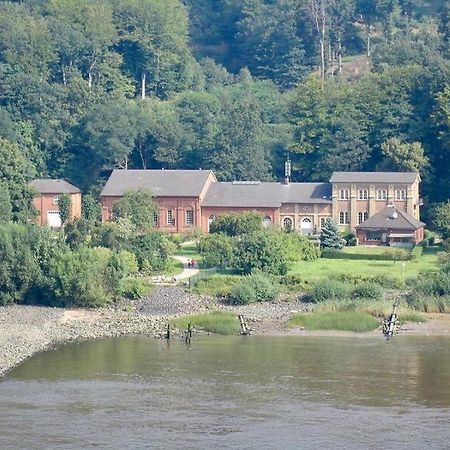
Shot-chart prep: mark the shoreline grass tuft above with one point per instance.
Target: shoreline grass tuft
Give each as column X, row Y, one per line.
column 217, row 322
column 341, row 321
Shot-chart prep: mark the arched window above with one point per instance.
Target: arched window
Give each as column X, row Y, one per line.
column 189, row 217
column 400, row 194
column 344, row 194
column 155, row 219
column 287, row 223
column 381, row 194
column 363, row 194
column 366, row 215
column 344, row 218
column 171, row 217
column 267, row 222
column 360, row 217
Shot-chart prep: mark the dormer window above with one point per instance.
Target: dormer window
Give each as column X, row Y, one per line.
column 344, row 194
column 363, row 194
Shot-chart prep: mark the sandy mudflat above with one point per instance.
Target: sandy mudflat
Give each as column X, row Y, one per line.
column 26, row 330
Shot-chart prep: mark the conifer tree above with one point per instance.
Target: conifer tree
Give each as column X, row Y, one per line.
column 330, row 237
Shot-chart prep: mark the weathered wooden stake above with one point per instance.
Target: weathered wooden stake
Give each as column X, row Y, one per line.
column 244, row 330
column 168, row 331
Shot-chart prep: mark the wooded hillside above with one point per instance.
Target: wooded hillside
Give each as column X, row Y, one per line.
column 228, row 85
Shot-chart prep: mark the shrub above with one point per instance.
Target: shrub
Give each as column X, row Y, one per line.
column 253, row 288
column 416, row 252
column 242, row 293
column 397, row 255
column 437, row 284
column 329, row 290
column 350, row 239
column 216, row 250
column 237, row 224
column 367, row 290
column 429, row 304
column 133, row 288
column 300, row 248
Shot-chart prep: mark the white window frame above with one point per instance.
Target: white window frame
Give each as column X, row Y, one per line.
column 400, row 194
column 170, row 216
column 363, row 194
column 381, row 194
column 291, row 223
column 344, row 194
column 344, row 218
column 189, row 217
column 155, row 218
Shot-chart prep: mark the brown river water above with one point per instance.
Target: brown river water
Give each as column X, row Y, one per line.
column 288, row 392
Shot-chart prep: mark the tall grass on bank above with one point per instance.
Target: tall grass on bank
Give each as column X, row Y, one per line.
column 218, row 322
column 429, row 304
column 341, row 321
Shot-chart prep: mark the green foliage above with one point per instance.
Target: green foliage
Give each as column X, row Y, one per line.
column 256, row 287
column 350, row 239
column 5, row 204
column 342, row 321
column 219, row 286
column 263, row 251
column 217, row 250
column 237, row 224
column 91, row 209
column 65, row 207
column 133, row 288
column 367, row 290
column 440, row 214
column 219, row 322
column 330, row 237
column 329, row 290
column 398, row 255
column 138, row 206
column 437, row 284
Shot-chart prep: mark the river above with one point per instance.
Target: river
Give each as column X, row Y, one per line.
column 231, row 392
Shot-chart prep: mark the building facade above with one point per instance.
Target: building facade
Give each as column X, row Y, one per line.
column 194, row 198
column 46, row 200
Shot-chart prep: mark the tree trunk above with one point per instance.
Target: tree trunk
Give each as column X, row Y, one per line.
column 368, row 39
column 339, row 55
column 64, row 79
column 143, row 85
column 90, row 80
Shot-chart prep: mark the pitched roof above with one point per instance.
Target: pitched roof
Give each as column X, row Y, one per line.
column 161, row 183
column 53, row 186
column 374, row 177
column 248, row 194
column 393, row 219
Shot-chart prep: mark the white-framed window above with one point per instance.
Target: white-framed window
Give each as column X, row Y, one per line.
column 170, row 217
column 363, row 194
column 287, row 223
column 400, row 194
column 189, row 217
column 267, row 222
column 344, row 194
column 344, row 218
column 381, row 194
column 55, row 199
column 155, row 219
column 362, row 216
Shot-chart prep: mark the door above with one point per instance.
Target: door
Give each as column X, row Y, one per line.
column 306, row 226
column 53, row 219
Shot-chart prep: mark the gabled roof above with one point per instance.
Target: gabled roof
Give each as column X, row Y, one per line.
column 248, row 194
column 161, row 183
column 374, row 177
column 391, row 218
column 53, row 186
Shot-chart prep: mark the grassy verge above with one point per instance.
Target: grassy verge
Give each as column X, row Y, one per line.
column 190, row 251
column 217, row 285
column 342, row 321
column 215, row 322
column 175, row 268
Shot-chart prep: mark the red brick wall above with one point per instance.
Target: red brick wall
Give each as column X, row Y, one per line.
column 44, row 203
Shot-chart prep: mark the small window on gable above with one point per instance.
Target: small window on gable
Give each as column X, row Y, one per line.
column 344, row 194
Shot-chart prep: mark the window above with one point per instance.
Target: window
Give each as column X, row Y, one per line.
column 155, row 219
column 400, row 194
column 344, row 194
column 55, row 199
column 344, row 218
column 170, row 217
column 373, row 236
column 287, row 223
column 381, row 194
column 189, row 217
column 362, row 216
column 267, row 222
column 322, row 221
column 363, row 194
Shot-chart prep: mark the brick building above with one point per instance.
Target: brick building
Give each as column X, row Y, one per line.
column 46, row 200
column 193, row 198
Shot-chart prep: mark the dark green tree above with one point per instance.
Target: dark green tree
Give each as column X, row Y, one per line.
column 65, row 208
column 237, row 224
column 330, row 238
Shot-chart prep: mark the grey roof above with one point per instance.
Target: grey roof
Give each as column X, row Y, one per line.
column 393, row 219
column 161, row 183
column 271, row 195
column 374, row 177
column 53, row 186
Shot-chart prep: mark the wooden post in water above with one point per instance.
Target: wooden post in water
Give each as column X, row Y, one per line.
column 244, row 329
column 189, row 334
column 168, row 331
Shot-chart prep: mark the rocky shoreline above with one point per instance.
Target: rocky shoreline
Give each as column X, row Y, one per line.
column 27, row 330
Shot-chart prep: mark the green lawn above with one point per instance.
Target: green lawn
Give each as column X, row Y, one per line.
column 190, row 251
column 325, row 268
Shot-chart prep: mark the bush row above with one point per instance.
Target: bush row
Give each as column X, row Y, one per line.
column 338, row 290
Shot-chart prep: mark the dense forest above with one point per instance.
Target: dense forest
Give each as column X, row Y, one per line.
column 229, row 85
